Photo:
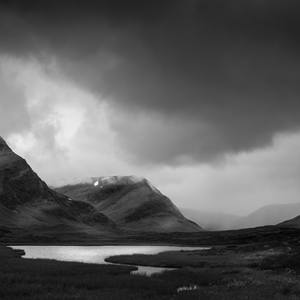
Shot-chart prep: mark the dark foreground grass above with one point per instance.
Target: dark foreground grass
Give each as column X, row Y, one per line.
column 283, row 262
column 253, row 271
column 256, row 264
column 48, row 279
column 45, row 279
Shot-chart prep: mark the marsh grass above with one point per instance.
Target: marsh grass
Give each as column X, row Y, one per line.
column 45, row 279
column 282, row 261
column 48, row 279
column 221, row 278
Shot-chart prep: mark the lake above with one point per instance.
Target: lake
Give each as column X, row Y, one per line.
column 97, row 254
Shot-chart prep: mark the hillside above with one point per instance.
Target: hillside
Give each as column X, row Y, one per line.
column 292, row 223
column 264, row 216
column 268, row 215
column 132, row 203
column 27, row 203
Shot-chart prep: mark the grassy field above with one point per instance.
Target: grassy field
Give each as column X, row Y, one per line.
column 266, row 234
column 46, row 279
column 258, row 274
column 261, row 266
column 227, row 272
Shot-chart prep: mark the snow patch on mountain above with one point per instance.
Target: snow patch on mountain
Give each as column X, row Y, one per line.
column 121, row 180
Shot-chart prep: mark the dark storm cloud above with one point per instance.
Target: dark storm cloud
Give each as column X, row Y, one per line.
column 231, row 65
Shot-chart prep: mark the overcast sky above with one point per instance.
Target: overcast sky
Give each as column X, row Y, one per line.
column 200, row 97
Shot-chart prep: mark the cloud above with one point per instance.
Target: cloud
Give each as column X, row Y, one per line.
column 244, row 183
column 72, row 135
column 11, row 106
column 68, row 136
column 201, row 97
column 152, row 138
column 215, row 77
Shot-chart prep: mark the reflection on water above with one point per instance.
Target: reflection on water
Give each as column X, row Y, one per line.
column 97, row 254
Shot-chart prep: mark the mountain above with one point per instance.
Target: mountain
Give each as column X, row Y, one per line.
column 268, row 215
column 292, row 223
column 133, row 203
column 27, row 203
column 109, row 207
column 210, row 220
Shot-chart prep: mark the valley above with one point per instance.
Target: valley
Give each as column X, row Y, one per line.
column 261, row 263
column 251, row 263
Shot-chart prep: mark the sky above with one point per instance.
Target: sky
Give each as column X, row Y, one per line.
column 199, row 96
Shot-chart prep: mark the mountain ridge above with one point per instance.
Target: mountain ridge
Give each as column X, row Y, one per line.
column 271, row 214
column 291, row 223
column 130, row 202
column 27, row 203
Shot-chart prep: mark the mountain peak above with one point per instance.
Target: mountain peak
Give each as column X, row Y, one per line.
column 3, row 145
column 123, row 180
column 120, row 180
column 105, row 180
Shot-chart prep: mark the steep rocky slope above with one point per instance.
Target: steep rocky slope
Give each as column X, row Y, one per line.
column 27, row 202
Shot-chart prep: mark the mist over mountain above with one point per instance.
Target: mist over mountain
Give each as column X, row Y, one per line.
column 292, row 223
column 266, row 215
column 209, row 220
column 133, row 203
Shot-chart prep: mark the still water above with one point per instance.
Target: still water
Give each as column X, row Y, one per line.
column 97, row 254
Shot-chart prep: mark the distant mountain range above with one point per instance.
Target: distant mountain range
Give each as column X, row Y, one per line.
column 269, row 215
column 266, row 215
column 107, row 207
